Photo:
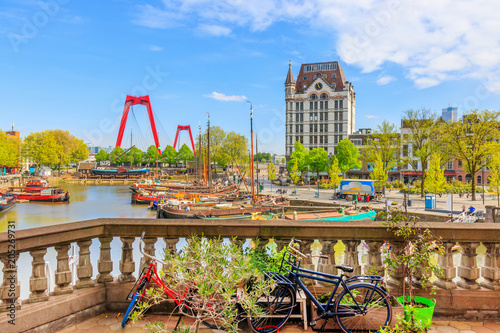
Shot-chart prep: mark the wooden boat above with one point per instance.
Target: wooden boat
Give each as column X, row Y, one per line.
column 7, row 202
column 225, row 217
column 36, row 185
column 334, row 216
column 119, row 171
column 48, row 195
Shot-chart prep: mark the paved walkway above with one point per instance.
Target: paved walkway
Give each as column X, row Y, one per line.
column 111, row 322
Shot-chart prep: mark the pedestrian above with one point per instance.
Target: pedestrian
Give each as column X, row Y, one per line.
column 463, row 208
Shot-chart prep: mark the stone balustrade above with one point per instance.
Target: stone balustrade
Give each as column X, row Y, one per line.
column 478, row 282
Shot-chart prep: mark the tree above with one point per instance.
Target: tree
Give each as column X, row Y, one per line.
column 80, row 153
column 347, row 155
column 379, row 174
column 9, row 150
column 117, row 156
column 299, row 155
column 422, row 137
column 317, row 160
column 137, row 156
column 334, row 172
column 150, row 155
column 384, row 145
column 435, row 175
column 41, row 148
column 185, row 154
column 102, row 155
column 294, row 173
column 169, row 156
column 494, row 184
column 472, row 140
column 235, row 147
column 271, row 173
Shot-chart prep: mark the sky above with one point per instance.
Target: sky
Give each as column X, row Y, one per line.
column 70, row 64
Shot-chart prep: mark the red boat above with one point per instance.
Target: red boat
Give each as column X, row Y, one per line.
column 36, row 185
column 47, row 195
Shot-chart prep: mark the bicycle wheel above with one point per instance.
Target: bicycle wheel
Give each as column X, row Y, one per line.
column 138, row 295
column 367, row 310
column 276, row 309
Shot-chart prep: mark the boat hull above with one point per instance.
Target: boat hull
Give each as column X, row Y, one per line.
column 59, row 197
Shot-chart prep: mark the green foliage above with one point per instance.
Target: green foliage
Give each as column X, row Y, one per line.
column 294, row 172
column 271, row 173
column 347, row 155
column 472, row 140
column 435, row 175
column 379, row 173
column 102, row 155
column 9, row 150
column 333, row 172
column 150, row 155
column 185, row 153
column 494, row 185
column 299, row 156
column 235, row 147
column 407, row 326
column 262, row 156
column 169, row 155
column 117, row 155
column 384, row 146
column 212, row 271
column 317, row 160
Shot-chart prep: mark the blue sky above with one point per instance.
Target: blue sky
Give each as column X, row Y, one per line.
column 69, row 64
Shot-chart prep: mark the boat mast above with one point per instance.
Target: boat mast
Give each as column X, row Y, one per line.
column 251, row 160
column 257, row 153
column 208, row 153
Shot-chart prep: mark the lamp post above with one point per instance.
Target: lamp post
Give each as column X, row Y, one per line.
column 482, row 180
column 308, row 179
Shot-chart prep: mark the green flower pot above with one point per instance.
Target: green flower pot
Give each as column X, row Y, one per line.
column 423, row 315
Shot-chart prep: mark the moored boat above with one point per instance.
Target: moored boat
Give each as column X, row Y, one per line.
column 47, row 195
column 7, row 202
column 224, row 217
column 36, row 184
column 334, row 216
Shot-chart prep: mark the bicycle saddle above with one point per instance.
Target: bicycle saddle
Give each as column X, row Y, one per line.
column 347, row 269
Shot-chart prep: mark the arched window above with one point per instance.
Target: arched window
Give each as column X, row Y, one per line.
column 460, row 178
column 314, row 96
column 479, row 179
column 324, row 96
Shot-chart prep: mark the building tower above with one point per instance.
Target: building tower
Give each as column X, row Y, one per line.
column 320, row 107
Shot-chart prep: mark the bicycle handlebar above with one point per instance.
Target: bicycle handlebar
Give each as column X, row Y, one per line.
column 290, row 247
column 148, row 255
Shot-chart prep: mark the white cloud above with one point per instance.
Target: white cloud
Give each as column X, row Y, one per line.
column 386, row 79
column 433, row 41
column 155, row 48
column 225, row 98
column 214, row 30
column 371, row 116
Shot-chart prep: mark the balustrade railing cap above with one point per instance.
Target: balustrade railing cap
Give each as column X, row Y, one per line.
column 43, row 237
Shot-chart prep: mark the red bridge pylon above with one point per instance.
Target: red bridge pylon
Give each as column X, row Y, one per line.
column 133, row 100
column 184, row 128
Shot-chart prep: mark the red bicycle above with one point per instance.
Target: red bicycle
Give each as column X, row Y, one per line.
column 149, row 274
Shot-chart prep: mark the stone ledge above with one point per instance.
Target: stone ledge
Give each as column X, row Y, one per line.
column 33, row 315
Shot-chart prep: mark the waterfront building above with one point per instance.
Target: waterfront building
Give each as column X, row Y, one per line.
column 449, row 114
column 320, row 107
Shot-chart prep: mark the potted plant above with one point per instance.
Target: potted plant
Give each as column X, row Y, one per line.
column 414, row 258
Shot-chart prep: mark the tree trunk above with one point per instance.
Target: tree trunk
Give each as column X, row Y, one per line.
column 59, row 167
column 422, row 186
column 473, row 186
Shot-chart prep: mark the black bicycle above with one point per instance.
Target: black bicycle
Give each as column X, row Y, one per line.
column 360, row 305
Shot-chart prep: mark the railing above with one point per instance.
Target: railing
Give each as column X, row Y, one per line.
column 37, row 241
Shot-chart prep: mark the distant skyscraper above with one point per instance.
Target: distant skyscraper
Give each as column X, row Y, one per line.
column 320, row 107
column 450, row 114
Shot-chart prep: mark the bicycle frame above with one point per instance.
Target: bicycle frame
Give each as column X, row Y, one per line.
column 295, row 273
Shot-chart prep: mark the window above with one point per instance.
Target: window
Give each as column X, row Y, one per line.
column 305, row 78
column 336, row 104
column 311, row 116
column 301, row 128
column 297, row 117
column 460, row 178
column 335, row 139
column 291, row 106
column 340, row 116
column 341, row 104
column 291, row 127
column 450, row 165
column 315, row 139
column 315, row 105
column 291, row 139
column 321, row 127
column 315, row 128
column 326, row 138
column 321, row 139
column 296, row 128
column 321, row 116
column 334, row 85
column 301, row 117
column 324, row 76
column 326, row 115
column 356, row 142
column 311, row 105
column 321, row 105
column 326, row 104
column 310, row 128
column 297, row 106
column 326, row 127
column 324, row 96
column 336, row 127
column 336, row 116
column 310, row 140
column 334, row 76
column 459, row 163
column 479, row 179
column 315, row 116
column 314, row 96
column 304, row 86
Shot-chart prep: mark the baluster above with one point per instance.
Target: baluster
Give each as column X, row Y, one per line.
column 375, row 265
column 237, row 241
column 149, row 248
column 328, row 265
column 396, row 275
column 468, row 270
column 62, row 273
column 170, row 247
column 491, row 269
column 127, row 263
column 263, row 242
column 449, row 270
column 10, row 289
column 351, row 256
column 281, row 243
column 305, row 247
column 105, row 264
column 38, row 280
column 84, row 270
